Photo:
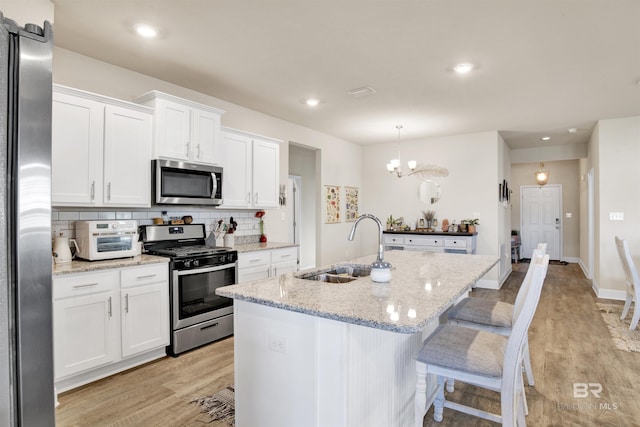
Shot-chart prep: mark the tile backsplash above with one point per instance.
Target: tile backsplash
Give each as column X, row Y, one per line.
column 63, row 221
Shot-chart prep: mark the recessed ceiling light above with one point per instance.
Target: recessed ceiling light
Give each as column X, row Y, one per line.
column 572, row 130
column 545, row 138
column 463, row 68
column 146, row 31
column 312, row 102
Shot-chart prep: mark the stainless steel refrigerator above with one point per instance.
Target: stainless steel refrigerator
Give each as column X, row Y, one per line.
column 26, row 343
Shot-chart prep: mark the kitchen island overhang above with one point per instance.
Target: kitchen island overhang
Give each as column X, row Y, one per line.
column 313, row 353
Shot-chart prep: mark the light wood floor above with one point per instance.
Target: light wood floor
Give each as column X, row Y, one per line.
column 569, row 344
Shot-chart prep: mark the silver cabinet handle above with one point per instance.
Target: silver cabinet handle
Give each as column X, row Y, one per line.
column 109, row 191
column 269, row 272
column 148, row 276
column 198, row 149
column 275, row 271
column 126, row 303
column 110, row 312
column 256, row 199
column 186, row 149
column 93, row 190
column 249, row 197
column 88, row 285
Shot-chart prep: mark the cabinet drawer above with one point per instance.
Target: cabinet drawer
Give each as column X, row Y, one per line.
column 284, row 255
column 137, row 276
column 424, row 241
column 252, row 259
column 84, row 284
column 394, row 239
column 456, row 243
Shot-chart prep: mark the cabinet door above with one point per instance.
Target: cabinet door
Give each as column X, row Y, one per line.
column 266, row 174
column 127, row 155
column 145, row 318
column 205, row 133
column 235, row 157
column 172, row 130
column 85, row 333
column 77, row 140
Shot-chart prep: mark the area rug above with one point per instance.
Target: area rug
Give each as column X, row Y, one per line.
column 623, row 338
column 220, row 406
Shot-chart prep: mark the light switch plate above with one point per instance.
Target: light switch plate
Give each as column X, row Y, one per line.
column 568, row 215
column 616, row 216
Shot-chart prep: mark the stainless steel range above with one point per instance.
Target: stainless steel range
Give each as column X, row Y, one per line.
column 198, row 315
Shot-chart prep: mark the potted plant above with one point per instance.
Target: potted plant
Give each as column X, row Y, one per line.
column 390, row 223
column 471, row 224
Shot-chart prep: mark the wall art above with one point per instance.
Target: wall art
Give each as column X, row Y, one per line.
column 333, row 204
column 351, row 203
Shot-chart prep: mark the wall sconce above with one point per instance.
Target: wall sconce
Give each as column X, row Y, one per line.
column 541, row 175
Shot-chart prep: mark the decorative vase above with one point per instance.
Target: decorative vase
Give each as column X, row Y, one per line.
column 263, row 237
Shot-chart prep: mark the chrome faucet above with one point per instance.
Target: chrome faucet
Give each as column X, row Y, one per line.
column 380, row 262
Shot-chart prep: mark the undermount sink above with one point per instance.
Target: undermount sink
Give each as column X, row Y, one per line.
column 341, row 273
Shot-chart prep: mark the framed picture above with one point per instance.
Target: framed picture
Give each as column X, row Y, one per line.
column 351, row 203
column 332, row 200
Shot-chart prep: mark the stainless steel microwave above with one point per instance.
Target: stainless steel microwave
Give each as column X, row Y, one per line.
column 183, row 183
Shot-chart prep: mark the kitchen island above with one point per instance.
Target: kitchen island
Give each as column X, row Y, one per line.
column 311, row 353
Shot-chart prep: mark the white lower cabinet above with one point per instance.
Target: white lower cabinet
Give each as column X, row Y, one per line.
column 85, row 324
column 284, row 261
column 109, row 321
column 144, row 302
column 267, row 263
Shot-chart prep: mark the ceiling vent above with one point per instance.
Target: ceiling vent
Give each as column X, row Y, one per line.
column 361, row 92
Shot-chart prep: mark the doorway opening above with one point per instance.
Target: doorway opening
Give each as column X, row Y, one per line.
column 302, row 216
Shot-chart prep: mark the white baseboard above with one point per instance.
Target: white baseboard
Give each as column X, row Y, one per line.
column 584, row 269
column 488, row 284
column 571, row 259
column 614, row 294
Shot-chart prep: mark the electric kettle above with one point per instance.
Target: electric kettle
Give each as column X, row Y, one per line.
column 62, row 251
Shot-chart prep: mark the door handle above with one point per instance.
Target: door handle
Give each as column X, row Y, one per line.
column 126, row 303
column 93, row 190
column 109, row 191
column 110, row 312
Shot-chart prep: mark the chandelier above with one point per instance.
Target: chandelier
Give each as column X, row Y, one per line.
column 394, row 166
column 541, row 175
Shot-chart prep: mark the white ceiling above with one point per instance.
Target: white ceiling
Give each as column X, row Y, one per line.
column 543, row 66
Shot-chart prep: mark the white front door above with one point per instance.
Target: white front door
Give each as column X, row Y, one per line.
column 540, row 217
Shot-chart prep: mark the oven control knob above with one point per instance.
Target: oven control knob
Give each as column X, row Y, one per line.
column 114, row 225
column 187, row 263
column 196, row 263
column 223, row 258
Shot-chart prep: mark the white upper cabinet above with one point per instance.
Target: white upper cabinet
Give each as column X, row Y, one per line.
column 251, row 170
column 184, row 130
column 101, row 150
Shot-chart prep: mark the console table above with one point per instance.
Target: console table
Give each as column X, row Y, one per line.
column 431, row 241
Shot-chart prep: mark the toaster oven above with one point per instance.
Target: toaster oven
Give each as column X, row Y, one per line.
column 107, row 239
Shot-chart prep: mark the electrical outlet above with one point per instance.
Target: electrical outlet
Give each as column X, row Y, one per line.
column 278, row 344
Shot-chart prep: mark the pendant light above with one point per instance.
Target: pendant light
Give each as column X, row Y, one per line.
column 394, row 166
column 541, row 175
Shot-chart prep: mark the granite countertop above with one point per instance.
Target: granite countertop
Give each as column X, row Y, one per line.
column 422, row 287
column 81, row 266
column 432, row 233
column 252, row 247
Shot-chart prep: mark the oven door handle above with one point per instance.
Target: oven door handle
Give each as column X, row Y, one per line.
column 205, row 270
